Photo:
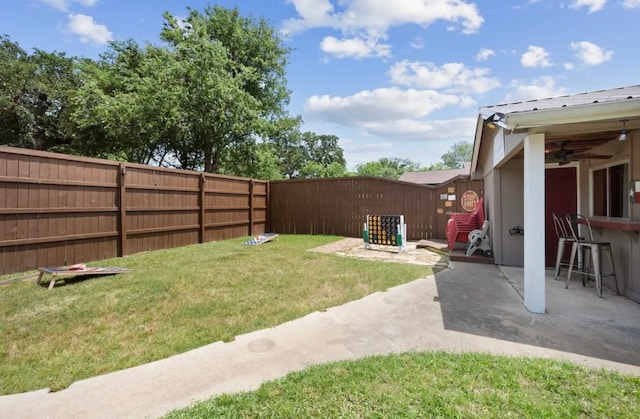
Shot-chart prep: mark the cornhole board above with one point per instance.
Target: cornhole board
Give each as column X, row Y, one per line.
column 263, row 238
column 76, row 270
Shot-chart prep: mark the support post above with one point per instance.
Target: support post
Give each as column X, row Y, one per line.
column 122, row 210
column 202, row 204
column 251, row 187
column 268, row 211
column 534, row 270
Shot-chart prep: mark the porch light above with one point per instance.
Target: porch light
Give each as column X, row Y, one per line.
column 495, row 119
column 623, row 133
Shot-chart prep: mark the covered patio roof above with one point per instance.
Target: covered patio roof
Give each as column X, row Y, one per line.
column 551, row 130
column 577, row 122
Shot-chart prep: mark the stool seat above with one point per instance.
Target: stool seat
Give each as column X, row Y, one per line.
column 595, row 248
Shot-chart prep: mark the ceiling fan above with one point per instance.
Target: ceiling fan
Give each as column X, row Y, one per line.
column 564, row 156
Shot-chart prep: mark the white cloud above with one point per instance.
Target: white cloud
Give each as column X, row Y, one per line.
column 417, row 43
column 593, row 5
column 590, row 54
column 569, row 66
column 375, row 17
column 540, row 88
column 63, row 5
column 631, row 4
column 455, row 77
column 425, row 130
column 535, row 57
column 354, row 47
column 380, row 106
column 484, row 54
column 88, row 30
column 350, row 146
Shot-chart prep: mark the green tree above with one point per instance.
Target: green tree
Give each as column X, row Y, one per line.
column 35, row 91
column 323, row 156
column 435, row 166
column 390, row 168
column 122, row 110
column 229, row 81
column 284, row 142
column 458, row 154
column 306, row 154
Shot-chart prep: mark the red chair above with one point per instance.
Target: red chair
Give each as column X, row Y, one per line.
column 460, row 224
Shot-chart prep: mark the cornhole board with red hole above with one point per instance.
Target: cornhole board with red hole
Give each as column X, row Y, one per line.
column 76, row 270
column 263, row 238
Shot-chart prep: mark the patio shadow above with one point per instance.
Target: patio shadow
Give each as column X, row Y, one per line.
column 487, row 300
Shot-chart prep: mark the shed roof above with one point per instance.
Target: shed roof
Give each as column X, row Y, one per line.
column 435, row 177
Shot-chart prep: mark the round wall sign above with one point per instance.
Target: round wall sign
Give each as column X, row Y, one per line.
column 469, row 200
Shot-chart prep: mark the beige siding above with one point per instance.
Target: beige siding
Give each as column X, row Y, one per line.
column 625, row 245
column 511, row 203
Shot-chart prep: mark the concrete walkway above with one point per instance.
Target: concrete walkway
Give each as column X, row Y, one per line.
column 467, row 307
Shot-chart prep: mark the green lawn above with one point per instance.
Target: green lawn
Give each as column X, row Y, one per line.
column 174, row 300
column 432, row 385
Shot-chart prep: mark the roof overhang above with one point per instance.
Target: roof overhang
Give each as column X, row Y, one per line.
column 549, row 119
column 476, row 143
column 622, row 109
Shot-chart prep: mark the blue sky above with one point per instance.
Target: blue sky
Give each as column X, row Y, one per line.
column 391, row 78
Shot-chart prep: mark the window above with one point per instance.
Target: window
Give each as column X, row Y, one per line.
column 609, row 191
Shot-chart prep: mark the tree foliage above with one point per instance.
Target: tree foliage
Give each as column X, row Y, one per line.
column 211, row 97
column 390, row 168
column 229, row 77
column 35, row 92
column 458, row 154
column 303, row 155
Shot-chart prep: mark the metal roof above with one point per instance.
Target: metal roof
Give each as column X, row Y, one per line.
column 598, row 96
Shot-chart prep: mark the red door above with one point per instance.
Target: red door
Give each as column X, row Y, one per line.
column 561, row 197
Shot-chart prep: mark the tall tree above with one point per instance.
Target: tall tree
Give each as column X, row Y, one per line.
column 458, row 154
column 229, row 79
column 323, row 149
column 390, row 168
column 121, row 110
column 35, row 92
column 305, row 154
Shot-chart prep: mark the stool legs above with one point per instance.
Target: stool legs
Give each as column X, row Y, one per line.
column 595, row 253
column 561, row 242
column 574, row 249
column 613, row 269
column 596, row 257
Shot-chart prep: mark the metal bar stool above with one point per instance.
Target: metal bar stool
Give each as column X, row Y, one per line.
column 564, row 239
column 595, row 249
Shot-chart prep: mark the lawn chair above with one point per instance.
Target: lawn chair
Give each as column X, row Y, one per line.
column 460, row 224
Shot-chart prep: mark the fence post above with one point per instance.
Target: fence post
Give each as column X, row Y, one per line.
column 202, row 204
column 251, row 185
column 268, row 210
column 122, row 213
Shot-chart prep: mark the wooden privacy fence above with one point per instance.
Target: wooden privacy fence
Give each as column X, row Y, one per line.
column 57, row 209
column 340, row 206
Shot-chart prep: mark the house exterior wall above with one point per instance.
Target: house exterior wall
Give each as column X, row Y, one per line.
column 511, row 203
column 504, row 197
column 625, row 246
